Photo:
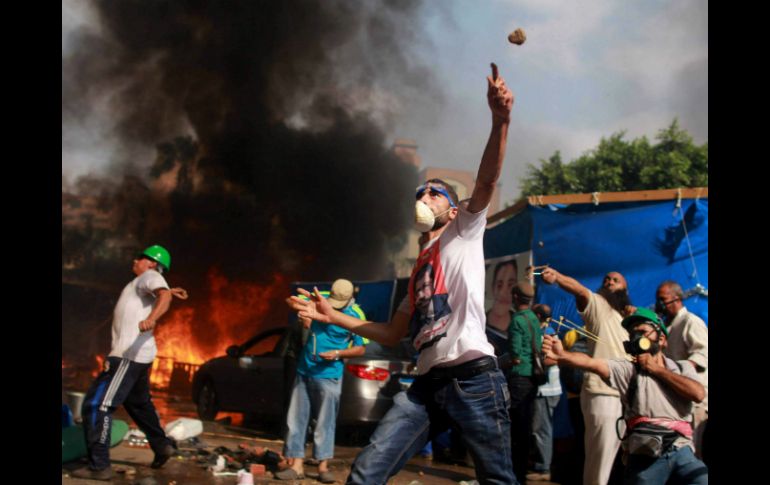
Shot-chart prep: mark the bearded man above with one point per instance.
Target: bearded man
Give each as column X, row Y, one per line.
column 602, row 313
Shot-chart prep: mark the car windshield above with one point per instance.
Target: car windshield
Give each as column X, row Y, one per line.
column 402, row 351
column 264, row 343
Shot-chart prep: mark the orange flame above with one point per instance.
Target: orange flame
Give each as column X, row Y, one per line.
column 194, row 334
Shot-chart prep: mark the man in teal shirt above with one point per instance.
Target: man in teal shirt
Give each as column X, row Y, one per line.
column 318, row 385
column 524, row 324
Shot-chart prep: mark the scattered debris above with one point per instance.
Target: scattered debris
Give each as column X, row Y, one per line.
column 136, row 438
column 245, row 478
column 193, row 442
column 135, row 432
column 220, row 464
column 225, row 474
column 184, row 428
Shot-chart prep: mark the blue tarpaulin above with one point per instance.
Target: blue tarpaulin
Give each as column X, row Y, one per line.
column 646, row 242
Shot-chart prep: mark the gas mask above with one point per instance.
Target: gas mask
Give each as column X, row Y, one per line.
column 424, row 219
column 639, row 344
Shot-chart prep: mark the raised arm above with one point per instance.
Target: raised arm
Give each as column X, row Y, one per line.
column 500, row 100
column 554, row 351
column 317, row 308
column 570, row 285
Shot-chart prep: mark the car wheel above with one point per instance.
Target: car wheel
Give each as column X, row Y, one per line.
column 207, row 404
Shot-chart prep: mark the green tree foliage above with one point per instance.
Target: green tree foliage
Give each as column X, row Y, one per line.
column 617, row 165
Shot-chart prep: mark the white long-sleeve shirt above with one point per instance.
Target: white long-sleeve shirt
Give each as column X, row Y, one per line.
column 688, row 339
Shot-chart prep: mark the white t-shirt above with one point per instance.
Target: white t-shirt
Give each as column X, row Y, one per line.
column 446, row 295
column 134, row 305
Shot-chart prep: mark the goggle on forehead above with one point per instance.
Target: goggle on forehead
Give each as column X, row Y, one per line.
column 433, row 191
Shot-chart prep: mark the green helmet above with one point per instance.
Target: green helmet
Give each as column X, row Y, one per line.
column 160, row 255
column 644, row 315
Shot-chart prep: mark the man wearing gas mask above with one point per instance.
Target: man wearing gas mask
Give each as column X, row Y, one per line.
column 688, row 340
column 602, row 311
column 657, row 395
column 459, row 383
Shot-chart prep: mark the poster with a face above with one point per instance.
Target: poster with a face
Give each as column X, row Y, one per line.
column 502, row 275
column 430, row 299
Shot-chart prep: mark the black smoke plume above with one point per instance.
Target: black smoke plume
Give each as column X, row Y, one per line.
column 289, row 104
column 270, row 121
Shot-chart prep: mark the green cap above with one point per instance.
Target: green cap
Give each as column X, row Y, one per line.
column 160, row 255
column 644, row 315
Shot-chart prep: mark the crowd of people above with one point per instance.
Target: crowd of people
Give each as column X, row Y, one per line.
column 613, row 417
column 493, row 378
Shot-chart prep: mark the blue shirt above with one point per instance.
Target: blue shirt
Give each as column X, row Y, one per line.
column 323, row 338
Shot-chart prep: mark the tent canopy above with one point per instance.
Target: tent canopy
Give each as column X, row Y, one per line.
column 648, row 242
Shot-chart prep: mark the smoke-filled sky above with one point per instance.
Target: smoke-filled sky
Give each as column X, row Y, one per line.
column 588, row 69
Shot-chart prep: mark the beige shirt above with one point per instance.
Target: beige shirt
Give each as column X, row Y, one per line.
column 688, row 339
column 653, row 398
column 603, row 321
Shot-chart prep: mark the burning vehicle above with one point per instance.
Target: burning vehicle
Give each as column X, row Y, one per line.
column 254, row 378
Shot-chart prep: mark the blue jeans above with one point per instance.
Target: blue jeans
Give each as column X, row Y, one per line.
column 542, row 429
column 319, row 398
column 478, row 406
column 679, row 464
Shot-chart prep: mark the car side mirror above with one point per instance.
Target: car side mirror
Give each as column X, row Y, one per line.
column 233, row 351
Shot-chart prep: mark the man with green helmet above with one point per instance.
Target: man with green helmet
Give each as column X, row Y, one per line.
column 125, row 377
column 159, row 255
column 657, row 394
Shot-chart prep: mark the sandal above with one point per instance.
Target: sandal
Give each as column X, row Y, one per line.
column 289, row 474
column 326, row 477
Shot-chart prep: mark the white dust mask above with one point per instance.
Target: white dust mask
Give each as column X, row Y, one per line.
column 424, row 219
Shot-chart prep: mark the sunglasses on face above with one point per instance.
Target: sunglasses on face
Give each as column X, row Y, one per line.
column 434, row 190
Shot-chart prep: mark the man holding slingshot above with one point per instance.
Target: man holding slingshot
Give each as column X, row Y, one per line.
column 658, row 395
column 602, row 313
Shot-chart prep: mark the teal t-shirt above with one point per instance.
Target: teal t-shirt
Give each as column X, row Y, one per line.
column 325, row 337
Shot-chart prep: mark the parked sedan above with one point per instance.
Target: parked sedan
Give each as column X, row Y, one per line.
column 253, row 378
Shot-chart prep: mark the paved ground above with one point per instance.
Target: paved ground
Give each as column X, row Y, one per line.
column 186, row 470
